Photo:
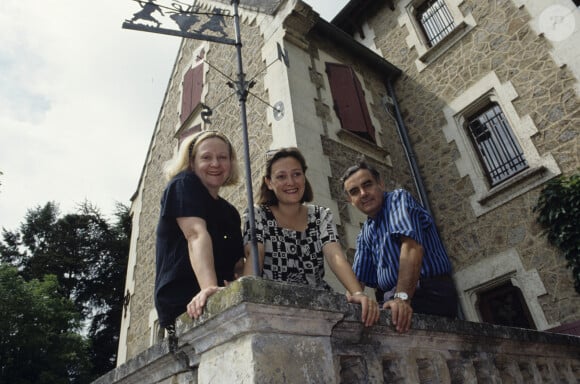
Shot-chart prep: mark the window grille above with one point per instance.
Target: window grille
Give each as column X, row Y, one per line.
column 496, row 145
column 435, row 19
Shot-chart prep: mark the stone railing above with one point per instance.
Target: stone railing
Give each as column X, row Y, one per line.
column 258, row 331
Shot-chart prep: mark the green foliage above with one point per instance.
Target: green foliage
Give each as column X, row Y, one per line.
column 558, row 210
column 39, row 340
column 88, row 257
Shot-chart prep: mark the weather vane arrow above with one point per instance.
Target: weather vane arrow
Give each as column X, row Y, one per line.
column 190, row 21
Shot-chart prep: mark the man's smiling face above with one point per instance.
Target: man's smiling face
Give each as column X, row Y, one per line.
column 365, row 192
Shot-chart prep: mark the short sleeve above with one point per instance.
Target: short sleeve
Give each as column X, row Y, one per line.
column 260, row 220
column 327, row 228
column 406, row 216
column 185, row 196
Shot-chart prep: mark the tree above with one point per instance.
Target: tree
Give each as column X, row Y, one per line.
column 108, row 293
column 39, row 340
column 88, row 257
column 558, row 210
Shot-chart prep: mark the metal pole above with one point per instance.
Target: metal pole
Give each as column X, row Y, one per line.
column 242, row 89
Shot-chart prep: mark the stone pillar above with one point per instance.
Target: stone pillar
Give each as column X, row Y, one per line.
column 273, row 334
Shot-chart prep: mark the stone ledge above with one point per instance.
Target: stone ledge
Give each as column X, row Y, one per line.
column 150, row 366
column 253, row 313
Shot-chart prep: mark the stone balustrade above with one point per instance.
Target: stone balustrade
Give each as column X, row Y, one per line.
column 258, row 331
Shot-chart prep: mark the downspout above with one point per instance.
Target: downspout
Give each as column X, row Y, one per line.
column 409, row 153
column 414, row 168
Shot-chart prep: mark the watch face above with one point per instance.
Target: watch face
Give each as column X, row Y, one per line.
column 401, row 295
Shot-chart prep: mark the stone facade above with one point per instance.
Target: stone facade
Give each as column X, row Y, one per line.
column 490, row 233
column 500, row 47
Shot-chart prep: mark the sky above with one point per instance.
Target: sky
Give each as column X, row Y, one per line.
column 79, row 99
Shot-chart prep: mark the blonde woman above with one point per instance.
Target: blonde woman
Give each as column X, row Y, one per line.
column 294, row 238
column 199, row 238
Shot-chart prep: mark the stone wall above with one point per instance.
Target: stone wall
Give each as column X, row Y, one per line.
column 501, row 43
column 258, row 331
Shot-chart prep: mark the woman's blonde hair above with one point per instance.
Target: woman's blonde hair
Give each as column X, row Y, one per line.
column 188, row 149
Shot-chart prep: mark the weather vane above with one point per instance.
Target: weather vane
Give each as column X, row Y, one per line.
column 193, row 22
column 186, row 20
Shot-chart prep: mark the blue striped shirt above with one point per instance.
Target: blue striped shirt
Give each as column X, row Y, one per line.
column 378, row 246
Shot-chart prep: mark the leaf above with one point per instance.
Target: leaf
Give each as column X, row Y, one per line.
column 558, row 209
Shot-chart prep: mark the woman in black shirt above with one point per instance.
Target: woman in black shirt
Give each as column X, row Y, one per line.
column 198, row 235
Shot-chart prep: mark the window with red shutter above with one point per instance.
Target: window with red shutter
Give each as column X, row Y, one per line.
column 349, row 100
column 187, row 133
column 192, row 88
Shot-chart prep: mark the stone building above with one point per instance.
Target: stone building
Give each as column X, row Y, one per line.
column 471, row 105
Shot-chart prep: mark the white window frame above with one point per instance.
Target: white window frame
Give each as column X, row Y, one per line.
column 417, row 39
column 501, row 145
column 494, row 271
column 541, row 168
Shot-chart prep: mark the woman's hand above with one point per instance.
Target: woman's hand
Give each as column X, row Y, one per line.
column 196, row 305
column 370, row 308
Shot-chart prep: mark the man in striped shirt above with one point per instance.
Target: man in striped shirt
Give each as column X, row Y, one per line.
column 399, row 250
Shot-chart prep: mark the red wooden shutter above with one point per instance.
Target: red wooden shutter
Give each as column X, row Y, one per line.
column 349, row 100
column 192, row 87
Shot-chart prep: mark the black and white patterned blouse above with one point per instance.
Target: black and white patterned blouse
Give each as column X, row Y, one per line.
column 293, row 256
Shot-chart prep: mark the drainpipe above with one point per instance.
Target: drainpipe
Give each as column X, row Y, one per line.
column 408, row 148
column 414, row 168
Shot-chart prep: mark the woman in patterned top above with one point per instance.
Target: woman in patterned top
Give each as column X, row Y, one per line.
column 294, row 238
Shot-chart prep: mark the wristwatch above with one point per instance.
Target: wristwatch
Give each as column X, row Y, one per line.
column 401, row 295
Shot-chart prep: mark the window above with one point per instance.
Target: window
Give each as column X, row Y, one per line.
column 187, row 133
column 192, row 88
column 499, row 290
column 497, row 149
column 495, row 144
column 435, row 20
column 349, row 101
column 434, row 27
column 505, row 305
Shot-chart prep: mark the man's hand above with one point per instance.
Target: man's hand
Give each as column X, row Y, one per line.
column 401, row 313
column 196, row 305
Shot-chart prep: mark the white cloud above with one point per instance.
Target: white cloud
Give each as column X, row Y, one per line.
column 79, row 98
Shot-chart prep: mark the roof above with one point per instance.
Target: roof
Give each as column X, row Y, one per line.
column 350, row 18
column 334, row 33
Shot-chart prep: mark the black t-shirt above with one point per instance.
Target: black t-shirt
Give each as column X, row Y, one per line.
column 175, row 282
